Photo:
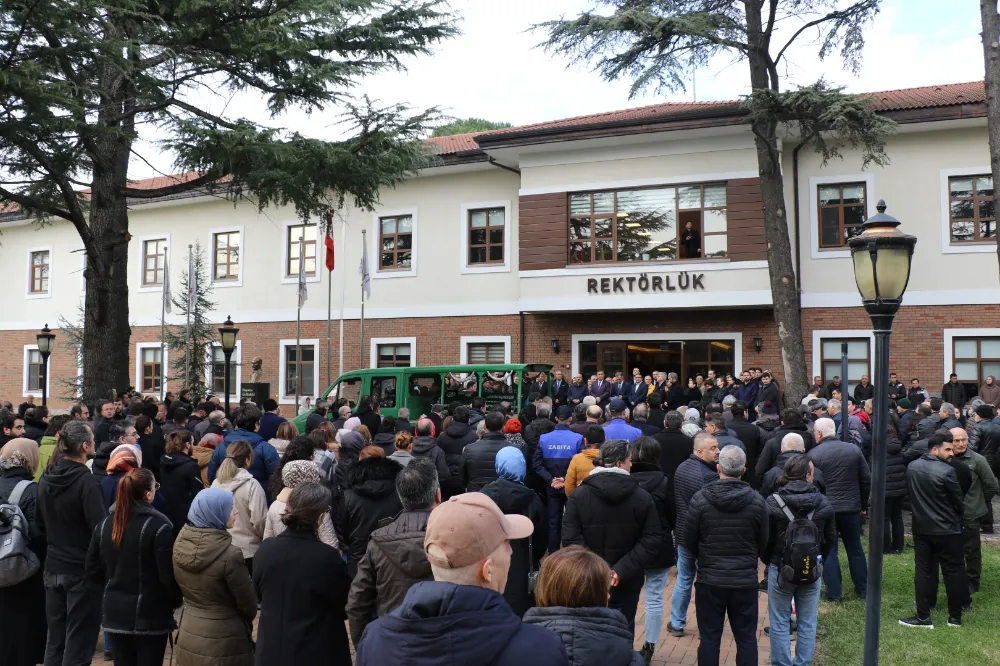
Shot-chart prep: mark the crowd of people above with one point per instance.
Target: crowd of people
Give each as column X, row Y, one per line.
column 513, row 534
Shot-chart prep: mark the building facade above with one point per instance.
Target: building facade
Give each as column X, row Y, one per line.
column 566, row 243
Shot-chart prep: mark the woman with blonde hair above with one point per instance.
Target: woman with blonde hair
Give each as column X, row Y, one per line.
column 571, row 599
column 285, row 433
column 248, row 499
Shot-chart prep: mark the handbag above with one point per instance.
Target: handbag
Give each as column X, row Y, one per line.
column 532, row 573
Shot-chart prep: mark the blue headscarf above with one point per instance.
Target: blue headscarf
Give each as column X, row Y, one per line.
column 211, row 508
column 510, row 464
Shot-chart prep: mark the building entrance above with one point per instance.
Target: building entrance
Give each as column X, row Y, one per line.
column 687, row 358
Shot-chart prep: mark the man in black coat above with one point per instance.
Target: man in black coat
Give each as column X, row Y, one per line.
column 640, row 420
column 539, row 386
column 937, row 505
column 601, row 389
column 453, row 441
column 673, row 397
column 727, row 531
column 791, row 421
column 769, row 391
column 612, row 516
column 479, row 458
column 863, row 391
column 791, row 446
column 560, row 390
column 984, row 439
column 675, row 446
column 576, row 392
column 699, row 470
column 954, row 392
column 749, row 434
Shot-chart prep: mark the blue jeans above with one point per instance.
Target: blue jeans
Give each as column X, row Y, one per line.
column 848, row 529
column 687, row 567
column 656, row 581
column 779, row 611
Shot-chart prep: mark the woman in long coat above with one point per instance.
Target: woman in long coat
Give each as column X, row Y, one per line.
column 219, row 601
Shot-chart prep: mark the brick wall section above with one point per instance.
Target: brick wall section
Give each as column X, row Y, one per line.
column 917, row 343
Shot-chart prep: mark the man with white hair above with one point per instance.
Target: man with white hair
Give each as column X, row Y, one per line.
column 792, row 445
column 467, row 544
column 727, row 531
column 848, row 484
column 949, row 416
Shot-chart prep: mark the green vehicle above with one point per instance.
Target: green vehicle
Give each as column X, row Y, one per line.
column 419, row 388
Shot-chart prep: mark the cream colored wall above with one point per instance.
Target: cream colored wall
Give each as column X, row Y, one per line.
column 914, row 188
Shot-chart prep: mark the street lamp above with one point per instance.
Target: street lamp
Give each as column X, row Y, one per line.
column 882, row 256
column 45, row 339
column 228, row 336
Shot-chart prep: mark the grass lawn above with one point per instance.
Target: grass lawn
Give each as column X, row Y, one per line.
column 841, row 626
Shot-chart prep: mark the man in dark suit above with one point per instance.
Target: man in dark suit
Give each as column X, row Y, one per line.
column 601, row 389
column 618, row 386
column 539, row 386
column 637, row 392
column 577, row 391
column 560, row 390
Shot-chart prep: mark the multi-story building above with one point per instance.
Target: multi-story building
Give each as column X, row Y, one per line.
column 561, row 242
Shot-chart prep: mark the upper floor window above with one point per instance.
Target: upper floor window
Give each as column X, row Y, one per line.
column 842, row 212
column 226, row 255
column 306, row 233
column 154, row 257
column 38, row 276
column 651, row 224
column 972, row 215
column 486, row 236
column 396, row 242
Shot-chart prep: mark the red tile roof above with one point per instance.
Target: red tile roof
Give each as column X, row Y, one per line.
column 930, row 96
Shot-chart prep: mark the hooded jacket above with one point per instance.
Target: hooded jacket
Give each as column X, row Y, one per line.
column 800, row 497
column 515, row 498
column 102, row 457
column 453, row 441
column 219, row 600
column 592, row 636
column 70, row 506
column 443, row 624
column 612, row 516
column 392, row 564
column 727, row 531
column 426, row 447
column 180, row 481
column 845, row 473
column 652, row 479
column 692, row 475
column 251, row 516
column 369, row 497
column 479, row 461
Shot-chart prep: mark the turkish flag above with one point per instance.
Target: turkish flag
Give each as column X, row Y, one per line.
column 328, row 241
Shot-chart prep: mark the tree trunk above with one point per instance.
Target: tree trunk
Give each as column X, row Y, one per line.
column 787, row 307
column 991, row 37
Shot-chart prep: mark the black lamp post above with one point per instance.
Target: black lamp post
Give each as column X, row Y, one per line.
column 45, row 339
column 882, row 256
column 228, row 336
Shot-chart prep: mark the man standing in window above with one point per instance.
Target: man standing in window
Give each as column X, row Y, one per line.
column 691, row 241
column 954, row 392
column 897, row 391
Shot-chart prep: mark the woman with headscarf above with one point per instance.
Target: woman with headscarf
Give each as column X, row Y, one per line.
column 219, row 600
column 351, row 443
column 294, row 474
column 512, row 431
column 124, row 458
column 22, row 606
column 512, row 496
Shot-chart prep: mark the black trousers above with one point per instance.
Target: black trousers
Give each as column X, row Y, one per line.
column 73, row 613
column 625, row 598
column 130, row 650
column 893, row 524
column 973, row 555
column 928, row 552
column 712, row 605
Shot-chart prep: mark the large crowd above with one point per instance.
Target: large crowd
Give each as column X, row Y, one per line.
column 477, row 533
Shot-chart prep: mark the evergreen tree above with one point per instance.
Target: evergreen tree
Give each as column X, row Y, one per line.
column 190, row 345
column 72, row 336
column 467, row 125
column 79, row 79
column 655, row 42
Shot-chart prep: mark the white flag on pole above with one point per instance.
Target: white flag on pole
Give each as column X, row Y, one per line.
column 303, row 292
column 366, row 278
column 167, row 296
column 192, row 285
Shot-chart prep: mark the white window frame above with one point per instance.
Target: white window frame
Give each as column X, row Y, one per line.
column 736, row 337
column 466, row 340
column 238, row 282
column 946, row 246
column 375, row 342
column 814, row 183
column 24, row 372
column 282, row 344
column 375, row 246
column 950, row 334
column 27, row 272
column 817, row 355
column 320, row 265
column 236, row 378
column 164, row 366
column 463, row 260
column 140, row 261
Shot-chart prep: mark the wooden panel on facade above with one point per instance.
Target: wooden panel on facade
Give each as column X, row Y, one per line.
column 542, row 231
column 745, row 220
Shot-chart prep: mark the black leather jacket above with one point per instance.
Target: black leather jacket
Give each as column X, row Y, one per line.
column 984, row 439
column 935, row 497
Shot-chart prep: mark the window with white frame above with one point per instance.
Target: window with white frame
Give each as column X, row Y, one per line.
column 974, row 359
column 154, row 261
column 226, row 255
column 485, row 352
column 395, row 243
column 39, row 262
column 34, row 372
column 393, row 356
column 292, row 369
column 152, row 369
column 215, row 369
column 306, row 233
column 971, row 212
column 858, row 360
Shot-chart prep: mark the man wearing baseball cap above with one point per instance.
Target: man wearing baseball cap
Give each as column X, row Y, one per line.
column 616, row 428
column 462, row 610
column 551, row 462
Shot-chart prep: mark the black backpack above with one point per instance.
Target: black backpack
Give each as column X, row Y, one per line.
column 799, row 547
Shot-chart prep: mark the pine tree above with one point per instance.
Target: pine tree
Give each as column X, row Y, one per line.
column 72, row 336
column 189, row 345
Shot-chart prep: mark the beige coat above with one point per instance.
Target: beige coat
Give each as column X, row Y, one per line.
column 273, row 526
column 251, row 511
column 219, row 601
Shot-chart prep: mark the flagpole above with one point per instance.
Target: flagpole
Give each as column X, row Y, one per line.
column 163, row 327
column 361, row 343
column 298, row 331
column 329, row 302
column 187, row 344
column 343, row 298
